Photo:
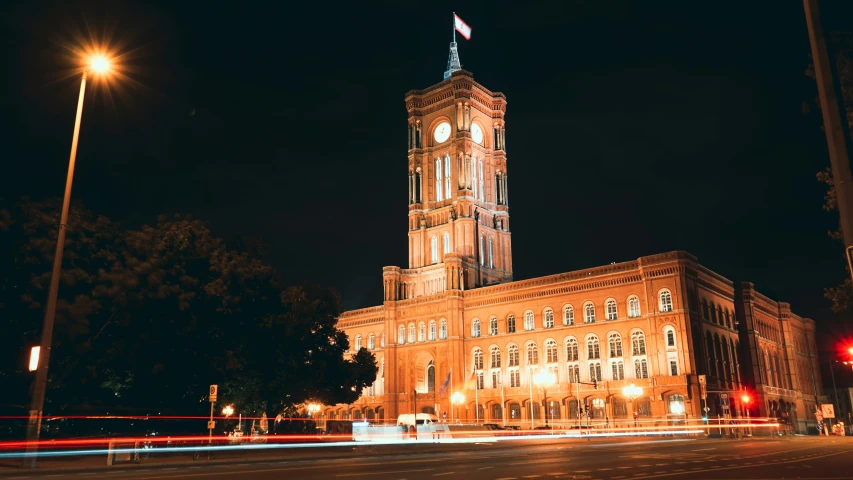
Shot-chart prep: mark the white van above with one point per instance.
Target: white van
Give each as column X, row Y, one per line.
column 408, row 419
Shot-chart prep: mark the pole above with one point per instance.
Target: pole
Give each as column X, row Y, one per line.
column 40, row 382
column 210, row 430
column 834, row 122
column 454, row 27
column 477, row 397
column 503, row 404
column 579, row 403
column 835, row 404
column 451, row 395
column 530, row 384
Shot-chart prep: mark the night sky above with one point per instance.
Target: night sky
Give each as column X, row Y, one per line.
column 633, row 128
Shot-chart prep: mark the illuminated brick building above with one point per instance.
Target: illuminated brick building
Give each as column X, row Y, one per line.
column 658, row 322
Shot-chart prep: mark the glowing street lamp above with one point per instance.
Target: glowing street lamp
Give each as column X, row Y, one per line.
column 544, row 380
column 228, row 410
column 97, row 64
column 457, row 399
column 632, row 392
column 746, row 400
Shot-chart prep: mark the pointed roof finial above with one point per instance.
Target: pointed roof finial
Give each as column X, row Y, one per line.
column 453, row 63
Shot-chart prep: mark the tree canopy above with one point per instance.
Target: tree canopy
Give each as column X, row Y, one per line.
column 147, row 318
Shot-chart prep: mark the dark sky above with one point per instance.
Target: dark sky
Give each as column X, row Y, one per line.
column 633, row 128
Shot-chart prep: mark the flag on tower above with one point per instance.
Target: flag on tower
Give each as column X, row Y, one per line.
column 462, row 27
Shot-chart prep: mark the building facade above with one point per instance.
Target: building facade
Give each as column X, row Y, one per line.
column 456, row 321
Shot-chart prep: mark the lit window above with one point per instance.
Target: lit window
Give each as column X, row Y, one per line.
column 491, row 255
column 482, row 260
column 670, row 338
column 673, row 368
column 438, row 183
column 478, row 359
column 447, row 176
column 641, row 368
column 371, row 342
column 382, row 340
column 595, row 371
column 493, row 326
column 568, row 315
column 551, row 351
column 572, row 350
column 510, row 324
column 482, row 189
column 512, row 355
column 638, row 343
column 618, row 370
column 615, row 341
column 446, row 243
column 412, row 333
column 401, row 338
column 357, row 343
column 610, row 307
column 442, row 331
column 665, row 301
column 633, row 307
column 589, row 313
column 475, row 328
column 548, row 318
column 593, row 350
column 574, row 373
column 422, row 332
column 514, row 378
column 528, row 320
column 434, row 248
column 496, row 378
column 532, row 355
column 495, row 356
column 480, row 383
column 432, row 330
column 474, row 175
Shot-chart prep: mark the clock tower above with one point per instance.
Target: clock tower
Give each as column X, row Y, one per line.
column 458, row 228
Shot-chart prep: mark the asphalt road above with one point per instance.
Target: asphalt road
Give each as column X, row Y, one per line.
column 697, row 459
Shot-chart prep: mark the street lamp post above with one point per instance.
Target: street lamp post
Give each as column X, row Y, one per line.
column 632, row 392
column 746, row 400
column 97, row 65
column 544, row 380
column 457, row 399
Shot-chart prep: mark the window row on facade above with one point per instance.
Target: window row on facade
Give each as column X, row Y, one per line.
column 486, row 247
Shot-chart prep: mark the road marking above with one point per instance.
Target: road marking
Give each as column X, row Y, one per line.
column 703, row 449
column 484, row 468
column 442, row 474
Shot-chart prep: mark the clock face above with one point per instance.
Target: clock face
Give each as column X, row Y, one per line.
column 442, row 133
column 476, row 134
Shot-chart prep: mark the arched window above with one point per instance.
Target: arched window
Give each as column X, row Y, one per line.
column 357, row 343
column 401, row 338
column 571, row 350
column 446, row 243
column 528, row 320
column 618, row 370
column 432, row 330
column 615, row 341
column 512, row 356
column 532, row 354
column 593, row 349
column 633, row 307
column 589, row 313
column 665, row 301
column 412, row 333
column 422, row 332
column 510, row 324
column 495, row 357
column 493, row 326
column 548, row 318
column 670, row 337
column 431, row 377
column 568, row 315
column 447, row 176
column 478, row 359
column 434, row 248
column 641, row 368
column 551, row 351
column 371, row 342
column 638, row 343
column 482, row 242
column 482, row 189
column 438, row 180
column 491, row 254
column 610, row 308
column 475, row 328
column 442, row 330
column 474, row 177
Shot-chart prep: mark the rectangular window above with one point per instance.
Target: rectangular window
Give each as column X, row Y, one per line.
column 595, row 371
column 491, row 254
column 474, row 175
column 573, row 373
column 618, row 371
column 447, row 176
column 514, row 378
column 479, row 380
column 673, row 368
column 496, row 379
column 438, row 180
column 482, row 261
column 641, row 368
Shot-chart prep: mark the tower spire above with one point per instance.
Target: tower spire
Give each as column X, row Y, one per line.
column 453, row 63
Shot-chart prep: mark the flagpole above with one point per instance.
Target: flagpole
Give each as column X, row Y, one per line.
column 454, row 27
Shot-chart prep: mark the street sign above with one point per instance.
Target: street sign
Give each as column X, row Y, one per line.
column 213, row 390
column 707, row 409
column 827, row 410
column 703, row 392
column 211, row 424
column 724, row 399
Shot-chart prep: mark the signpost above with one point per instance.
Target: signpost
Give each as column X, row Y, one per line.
column 214, row 389
column 827, row 410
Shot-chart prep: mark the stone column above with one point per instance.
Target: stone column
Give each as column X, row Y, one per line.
column 467, row 126
column 459, row 124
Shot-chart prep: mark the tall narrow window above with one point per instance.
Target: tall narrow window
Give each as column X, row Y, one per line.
column 382, row 340
column 510, row 324
column 432, row 330
column 514, row 378
column 482, row 240
column 446, row 243
column 491, row 254
column 618, row 370
column 633, row 307
column 371, row 342
column 615, row 345
column 512, row 356
column 447, row 176
column 568, row 315
column 357, row 343
column 673, row 368
column 401, row 337
column 665, row 301
column 595, row 371
column 610, row 306
column 495, row 357
column 589, row 313
column 493, row 326
column 641, row 368
column 482, row 187
column 670, row 338
column 551, row 351
column 528, row 320
column 478, row 359
column 574, row 373
column 593, row 350
column 572, row 350
column 422, row 332
column 548, row 318
column 412, row 333
column 475, row 328
column 474, row 177
column 438, row 180
column 442, row 330
column 532, row 355
column 638, row 343
column 434, row 248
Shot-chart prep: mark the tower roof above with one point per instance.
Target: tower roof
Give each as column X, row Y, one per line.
column 453, row 63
